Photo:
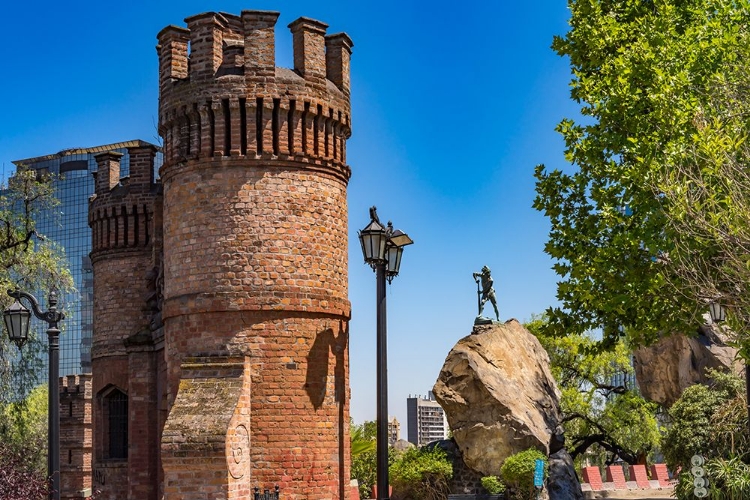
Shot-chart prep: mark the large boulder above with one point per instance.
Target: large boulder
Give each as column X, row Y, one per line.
column 563, row 483
column 668, row 367
column 498, row 395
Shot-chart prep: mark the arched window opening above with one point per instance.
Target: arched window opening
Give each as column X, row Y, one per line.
column 116, row 423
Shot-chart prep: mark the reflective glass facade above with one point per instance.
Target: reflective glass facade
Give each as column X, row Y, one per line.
column 67, row 225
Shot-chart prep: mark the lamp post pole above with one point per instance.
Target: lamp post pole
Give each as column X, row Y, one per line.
column 382, row 248
column 382, row 381
column 52, row 316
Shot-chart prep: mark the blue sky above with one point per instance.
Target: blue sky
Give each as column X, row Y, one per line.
column 453, row 105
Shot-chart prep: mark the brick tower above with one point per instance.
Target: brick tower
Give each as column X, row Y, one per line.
column 127, row 349
column 256, row 303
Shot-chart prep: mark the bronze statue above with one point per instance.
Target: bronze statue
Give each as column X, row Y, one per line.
column 487, row 292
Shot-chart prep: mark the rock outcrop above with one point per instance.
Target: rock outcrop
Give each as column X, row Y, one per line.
column 674, row 363
column 498, row 395
column 563, row 483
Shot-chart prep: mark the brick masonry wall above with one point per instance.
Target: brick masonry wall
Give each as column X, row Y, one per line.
column 123, row 352
column 76, row 440
column 255, row 251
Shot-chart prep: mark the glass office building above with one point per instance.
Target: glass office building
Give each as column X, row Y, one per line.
column 67, row 225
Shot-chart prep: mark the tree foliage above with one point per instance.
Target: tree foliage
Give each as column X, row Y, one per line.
column 645, row 74
column 17, row 482
column 23, row 429
column 708, row 421
column 598, row 414
column 421, row 474
column 29, row 262
column 517, row 472
column 711, row 422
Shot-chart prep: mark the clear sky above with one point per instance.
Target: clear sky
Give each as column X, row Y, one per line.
column 453, row 105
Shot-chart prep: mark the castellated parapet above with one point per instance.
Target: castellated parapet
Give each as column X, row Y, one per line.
column 228, row 99
column 256, row 307
column 76, row 438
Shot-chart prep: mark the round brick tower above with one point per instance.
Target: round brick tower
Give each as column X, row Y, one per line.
column 122, row 216
column 256, row 303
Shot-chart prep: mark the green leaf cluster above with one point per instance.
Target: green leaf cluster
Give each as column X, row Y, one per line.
column 29, row 262
column 421, row 474
column 645, row 74
column 517, row 472
column 708, row 421
column 711, row 421
column 598, row 415
column 23, row 429
column 493, row 485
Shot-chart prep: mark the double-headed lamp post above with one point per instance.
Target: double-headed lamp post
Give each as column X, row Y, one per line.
column 719, row 315
column 382, row 248
column 17, row 319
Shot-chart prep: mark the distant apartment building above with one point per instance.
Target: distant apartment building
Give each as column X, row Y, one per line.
column 425, row 420
column 394, row 431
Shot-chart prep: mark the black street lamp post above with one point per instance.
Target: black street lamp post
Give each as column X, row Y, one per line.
column 718, row 315
column 382, row 248
column 17, row 323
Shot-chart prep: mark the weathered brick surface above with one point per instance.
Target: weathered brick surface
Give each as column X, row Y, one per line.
column 638, row 474
column 661, row 474
column 247, row 382
column 76, row 440
column 616, row 475
column 593, row 476
column 124, row 352
column 255, row 253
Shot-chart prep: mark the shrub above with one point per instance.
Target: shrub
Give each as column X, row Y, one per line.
column 493, row 485
column 421, row 474
column 518, row 471
column 364, row 469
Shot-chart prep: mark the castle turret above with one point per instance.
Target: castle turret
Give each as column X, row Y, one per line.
column 126, row 427
column 256, row 305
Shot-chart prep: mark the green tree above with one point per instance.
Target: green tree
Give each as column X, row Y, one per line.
column 710, row 421
column 644, row 73
column 23, row 429
column 29, row 262
column 597, row 414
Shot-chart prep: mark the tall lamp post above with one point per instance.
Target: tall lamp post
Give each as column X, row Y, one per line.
column 382, row 248
column 718, row 315
column 17, row 323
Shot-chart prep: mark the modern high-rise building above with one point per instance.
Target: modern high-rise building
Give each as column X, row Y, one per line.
column 67, row 225
column 426, row 420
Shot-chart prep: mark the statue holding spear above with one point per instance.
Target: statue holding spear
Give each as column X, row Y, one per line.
column 485, row 291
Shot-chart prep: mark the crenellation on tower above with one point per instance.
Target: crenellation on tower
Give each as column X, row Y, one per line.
column 338, row 55
column 260, row 43
column 308, row 40
column 120, row 210
column 173, row 54
column 108, row 171
column 76, row 436
column 206, row 44
column 234, row 103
